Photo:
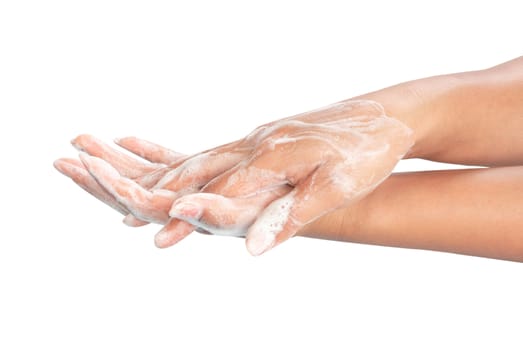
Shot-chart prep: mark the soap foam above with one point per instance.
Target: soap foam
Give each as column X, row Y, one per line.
column 274, row 217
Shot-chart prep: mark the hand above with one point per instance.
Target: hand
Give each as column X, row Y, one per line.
column 146, row 174
column 321, row 160
column 304, row 166
column 130, row 183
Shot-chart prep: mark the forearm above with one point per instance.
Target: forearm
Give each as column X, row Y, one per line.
column 474, row 212
column 467, row 118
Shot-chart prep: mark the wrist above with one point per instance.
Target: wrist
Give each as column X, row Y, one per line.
column 424, row 106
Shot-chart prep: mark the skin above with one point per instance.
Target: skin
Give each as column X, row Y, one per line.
column 326, row 159
column 474, row 212
column 472, row 118
column 467, row 118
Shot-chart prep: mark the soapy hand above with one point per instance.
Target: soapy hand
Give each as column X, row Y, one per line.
column 267, row 186
column 131, row 186
column 305, row 167
column 144, row 174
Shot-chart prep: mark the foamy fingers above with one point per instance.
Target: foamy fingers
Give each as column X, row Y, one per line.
column 220, row 215
column 75, row 170
column 143, row 204
column 126, row 165
column 149, row 150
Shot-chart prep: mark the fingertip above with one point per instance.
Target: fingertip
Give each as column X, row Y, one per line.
column 75, row 144
column 132, row 221
column 68, row 167
column 272, row 226
column 186, row 210
column 59, row 165
column 172, row 233
column 124, row 141
column 257, row 244
column 161, row 239
column 79, row 141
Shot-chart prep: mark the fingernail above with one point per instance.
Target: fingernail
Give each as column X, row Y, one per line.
column 65, row 168
column 117, row 140
column 128, row 220
column 161, row 239
column 76, row 145
column 132, row 221
column 187, row 210
column 59, row 165
column 259, row 243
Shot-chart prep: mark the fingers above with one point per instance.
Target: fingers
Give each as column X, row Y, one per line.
column 149, row 150
column 220, row 215
column 275, row 163
column 126, row 165
column 173, row 232
column 152, row 206
column 75, row 170
column 314, row 197
column 151, row 179
column 197, row 171
column 215, row 214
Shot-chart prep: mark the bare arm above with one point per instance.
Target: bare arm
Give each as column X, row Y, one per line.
column 465, row 118
column 474, row 212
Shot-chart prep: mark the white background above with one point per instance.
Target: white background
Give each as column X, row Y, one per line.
column 195, row 76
